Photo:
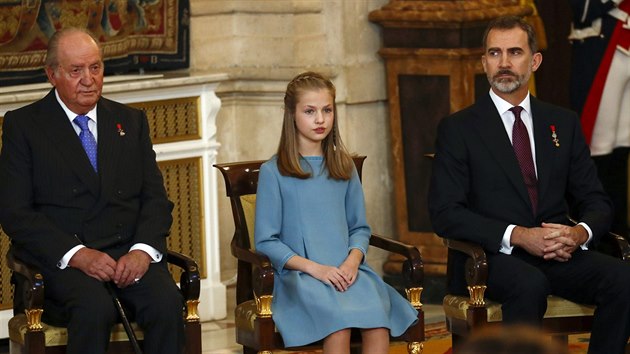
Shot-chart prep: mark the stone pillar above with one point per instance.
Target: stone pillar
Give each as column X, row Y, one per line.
column 432, row 50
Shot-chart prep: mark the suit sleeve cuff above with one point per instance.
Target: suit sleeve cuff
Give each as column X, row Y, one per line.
column 63, row 262
column 156, row 256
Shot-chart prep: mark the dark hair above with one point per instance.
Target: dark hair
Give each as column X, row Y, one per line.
column 53, row 44
column 509, row 22
column 338, row 160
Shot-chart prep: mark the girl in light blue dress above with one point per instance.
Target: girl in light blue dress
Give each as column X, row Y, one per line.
column 310, row 222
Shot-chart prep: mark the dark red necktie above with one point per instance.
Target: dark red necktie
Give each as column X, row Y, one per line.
column 523, row 151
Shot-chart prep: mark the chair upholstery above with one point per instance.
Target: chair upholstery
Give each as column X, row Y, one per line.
column 255, row 329
column 467, row 314
column 29, row 335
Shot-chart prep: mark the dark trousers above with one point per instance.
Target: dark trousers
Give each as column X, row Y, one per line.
column 521, row 283
column 154, row 303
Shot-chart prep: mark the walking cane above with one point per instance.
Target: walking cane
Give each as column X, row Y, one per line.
column 125, row 321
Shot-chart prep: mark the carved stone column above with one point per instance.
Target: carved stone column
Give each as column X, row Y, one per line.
column 432, row 51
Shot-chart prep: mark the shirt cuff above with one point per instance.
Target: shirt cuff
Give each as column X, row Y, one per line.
column 63, row 262
column 156, row 256
column 506, row 241
column 584, row 246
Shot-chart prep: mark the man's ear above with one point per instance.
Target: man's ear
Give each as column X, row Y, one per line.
column 483, row 63
column 536, row 61
column 50, row 73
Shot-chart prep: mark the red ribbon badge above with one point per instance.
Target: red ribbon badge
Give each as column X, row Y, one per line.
column 121, row 132
column 554, row 136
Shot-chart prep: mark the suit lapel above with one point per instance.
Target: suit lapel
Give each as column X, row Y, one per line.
column 55, row 123
column 545, row 155
column 492, row 131
column 110, row 145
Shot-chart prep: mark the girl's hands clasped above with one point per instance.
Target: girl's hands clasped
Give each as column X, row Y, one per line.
column 341, row 278
column 333, row 276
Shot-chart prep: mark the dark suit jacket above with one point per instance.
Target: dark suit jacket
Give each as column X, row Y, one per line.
column 50, row 197
column 477, row 189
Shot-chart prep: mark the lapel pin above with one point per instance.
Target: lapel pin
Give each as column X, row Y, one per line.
column 554, row 136
column 121, row 132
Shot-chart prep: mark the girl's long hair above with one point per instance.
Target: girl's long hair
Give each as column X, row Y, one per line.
column 336, row 158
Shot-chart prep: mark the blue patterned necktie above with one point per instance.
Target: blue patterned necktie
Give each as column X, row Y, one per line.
column 87, row 139
column 523, row 151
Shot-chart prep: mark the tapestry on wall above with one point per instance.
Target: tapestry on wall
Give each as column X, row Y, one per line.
column 136, row 35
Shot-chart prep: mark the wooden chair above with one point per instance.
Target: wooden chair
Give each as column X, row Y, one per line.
column 29, row 335
column 255, row 329
column 465, row 315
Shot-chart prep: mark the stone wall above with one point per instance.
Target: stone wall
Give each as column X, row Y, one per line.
column 262, row 45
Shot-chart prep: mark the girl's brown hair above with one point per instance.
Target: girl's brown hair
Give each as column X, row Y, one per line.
column 337, row 159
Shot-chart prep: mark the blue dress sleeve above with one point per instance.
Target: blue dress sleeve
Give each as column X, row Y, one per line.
column 268, row 224
column 358, row 229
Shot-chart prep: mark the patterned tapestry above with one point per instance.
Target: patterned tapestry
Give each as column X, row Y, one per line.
column 136, row 35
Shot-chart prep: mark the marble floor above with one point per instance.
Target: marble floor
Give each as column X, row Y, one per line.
column 218, row 336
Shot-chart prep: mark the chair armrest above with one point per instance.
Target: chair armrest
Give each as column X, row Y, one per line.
column 251, row 257
column 262, row 271
column 33, row 286
column 190, row 279
column 256, row 281
column 413, row 268
column 476, row 264
column 617, row 242
column 621, row 245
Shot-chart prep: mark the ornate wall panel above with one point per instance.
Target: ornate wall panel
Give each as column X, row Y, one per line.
column 183, row 181
column 172, row 120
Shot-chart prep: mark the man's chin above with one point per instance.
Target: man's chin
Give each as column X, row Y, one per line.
column 88, row 99
column 506, row 87
column 87, row 104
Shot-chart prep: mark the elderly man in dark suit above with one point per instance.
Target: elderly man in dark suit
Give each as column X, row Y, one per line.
column 81, row 196
column 508, row 171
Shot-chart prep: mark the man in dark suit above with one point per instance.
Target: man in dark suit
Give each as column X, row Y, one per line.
column 506, row 178
column 85, row 202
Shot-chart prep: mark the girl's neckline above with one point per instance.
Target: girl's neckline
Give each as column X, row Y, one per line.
column 313, row 157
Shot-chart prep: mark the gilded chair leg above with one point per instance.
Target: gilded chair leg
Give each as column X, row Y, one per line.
column 415, row 347
column 265, row 352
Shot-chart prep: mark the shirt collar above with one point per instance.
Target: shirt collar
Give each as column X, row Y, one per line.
column 503, row 105
column 71, row 115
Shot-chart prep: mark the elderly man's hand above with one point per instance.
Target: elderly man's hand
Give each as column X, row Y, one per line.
column 131, row 268
column 97, row 264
